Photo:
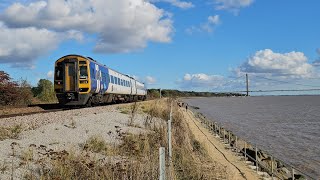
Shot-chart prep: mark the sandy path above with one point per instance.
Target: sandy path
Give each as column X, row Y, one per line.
column 216, row 150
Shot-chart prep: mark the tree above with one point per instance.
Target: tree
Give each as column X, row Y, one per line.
column 8, row 90
column 44, row 91
column 25, row 93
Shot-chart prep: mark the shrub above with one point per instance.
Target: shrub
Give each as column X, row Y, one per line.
column 8, row 90
column 44, row 91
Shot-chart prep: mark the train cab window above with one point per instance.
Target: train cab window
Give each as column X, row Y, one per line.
column 83, row 72
column 58, row 73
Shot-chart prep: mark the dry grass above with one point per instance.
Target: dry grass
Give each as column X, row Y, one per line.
column 10, row 133
column 96, row 144
column 136, row 157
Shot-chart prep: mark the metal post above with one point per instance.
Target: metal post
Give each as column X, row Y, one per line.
column 247, row 81
column 215, row 128
column 171, row 111
column 272, row 167
column 160, row 93
column 229, row 141
column 236, row 144
column 162, row 163
column 169, row 141
column 292, row 173
column 245, row 151
column 256, row 149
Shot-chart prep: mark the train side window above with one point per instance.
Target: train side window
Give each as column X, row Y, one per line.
column 111, row 79
column 118, row 81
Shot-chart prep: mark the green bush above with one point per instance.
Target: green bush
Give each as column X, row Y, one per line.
column 44, row 91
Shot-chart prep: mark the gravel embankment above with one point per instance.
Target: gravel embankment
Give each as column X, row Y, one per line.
column 36, row 120
column 19, row 110
column 65, row 130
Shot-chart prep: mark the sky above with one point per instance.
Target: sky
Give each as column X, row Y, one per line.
column 199, row 45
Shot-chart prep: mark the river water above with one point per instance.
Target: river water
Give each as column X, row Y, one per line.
column 288, row 127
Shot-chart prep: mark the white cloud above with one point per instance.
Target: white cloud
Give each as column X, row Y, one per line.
column 150, row 80
column 208, row 26
column 177, row 3
column 120, row 26
column 292, row 64
column 50, row 75
column 232, row 5
column 201, row 80
column 317, row 61
column 20, row 47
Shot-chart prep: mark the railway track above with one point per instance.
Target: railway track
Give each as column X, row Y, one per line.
column 41, row 108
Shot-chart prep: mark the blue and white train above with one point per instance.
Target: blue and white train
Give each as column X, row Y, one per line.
column 83, row 81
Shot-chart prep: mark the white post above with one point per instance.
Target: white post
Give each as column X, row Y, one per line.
column 292, row 173
column 229, row 141
column 224, row 135
column 162, row 163
column 169, row 141
column 160, row 93
column 171, row 110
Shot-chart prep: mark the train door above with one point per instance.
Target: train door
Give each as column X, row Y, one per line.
column 70, row 81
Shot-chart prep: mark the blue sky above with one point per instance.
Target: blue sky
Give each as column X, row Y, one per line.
column 203, row 45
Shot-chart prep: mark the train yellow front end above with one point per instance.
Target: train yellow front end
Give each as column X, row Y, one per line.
column 72, row 80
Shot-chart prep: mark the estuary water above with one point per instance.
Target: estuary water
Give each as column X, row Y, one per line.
column 288, row 127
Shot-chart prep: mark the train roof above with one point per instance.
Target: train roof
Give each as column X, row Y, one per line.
column 92, row 60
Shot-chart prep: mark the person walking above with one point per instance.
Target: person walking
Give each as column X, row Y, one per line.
column 186, row 107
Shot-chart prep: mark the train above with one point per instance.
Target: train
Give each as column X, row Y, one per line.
column 82, row 81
